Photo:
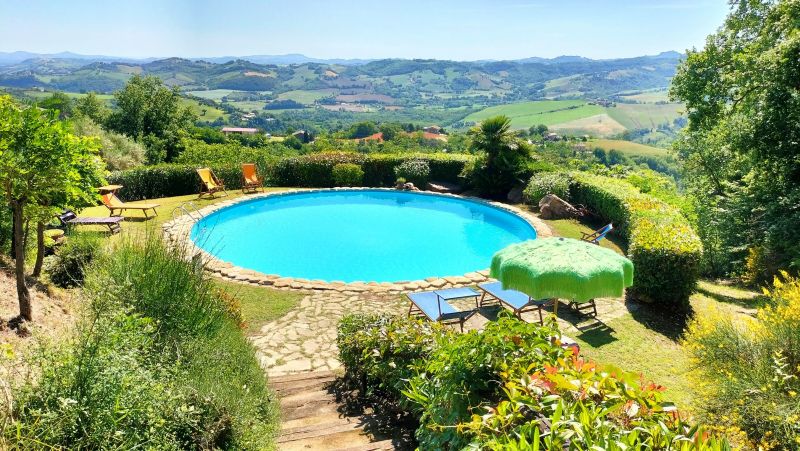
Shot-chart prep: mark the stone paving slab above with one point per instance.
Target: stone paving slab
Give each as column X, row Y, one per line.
column 305, row 338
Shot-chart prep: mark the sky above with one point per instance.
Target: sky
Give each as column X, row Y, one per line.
column 443, row 29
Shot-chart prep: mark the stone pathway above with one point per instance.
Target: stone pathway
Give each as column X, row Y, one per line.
column 305, row 339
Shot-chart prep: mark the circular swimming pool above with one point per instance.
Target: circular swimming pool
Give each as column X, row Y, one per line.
column 359, row 235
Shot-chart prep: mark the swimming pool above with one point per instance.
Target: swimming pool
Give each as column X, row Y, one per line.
column 359, row 235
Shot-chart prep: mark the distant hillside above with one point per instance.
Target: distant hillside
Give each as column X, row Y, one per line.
column 408, row 81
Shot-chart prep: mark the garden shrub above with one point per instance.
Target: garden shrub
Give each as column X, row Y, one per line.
column 166, row 180
column 510, row 386
column 347, row 174
column 66, row 268
column 545, row 183
column 414, row 171
column 665, row 251
column 158, row 363
column 749, row 368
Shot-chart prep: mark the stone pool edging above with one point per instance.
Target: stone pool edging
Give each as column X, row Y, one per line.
column 177, row 233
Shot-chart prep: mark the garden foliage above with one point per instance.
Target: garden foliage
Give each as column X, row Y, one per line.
column 510, row 386
column 415, row 171
column 664, row 249
column 545, row 183
column 749, row 369
column 157, row 362
column 68, row 266
column 347, row 174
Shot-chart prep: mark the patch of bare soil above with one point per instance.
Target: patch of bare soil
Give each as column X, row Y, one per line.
column 53, row 311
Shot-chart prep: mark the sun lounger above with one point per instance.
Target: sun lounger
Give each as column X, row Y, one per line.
column 112, row 202
column 68, row 218
column 434, row 305
column 250, row 180
column 209, row 182
column 515, row 300
column 597, row 235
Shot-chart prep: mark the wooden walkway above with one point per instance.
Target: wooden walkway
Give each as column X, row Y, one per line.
column 312, row 419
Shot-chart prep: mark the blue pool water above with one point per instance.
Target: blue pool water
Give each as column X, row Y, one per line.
column 360, row 235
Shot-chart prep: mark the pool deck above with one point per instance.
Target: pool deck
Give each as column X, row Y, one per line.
column 305, row 339
column 177, row 232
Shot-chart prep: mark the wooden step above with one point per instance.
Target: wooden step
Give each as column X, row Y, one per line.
column 302, row 376
column 318, row 430
column 308, row 420
column 334, row 441
column 310, row 408
column 374, row 446
column 290, row 388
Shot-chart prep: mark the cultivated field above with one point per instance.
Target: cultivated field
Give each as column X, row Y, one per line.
column 306, row 97
column 628, row 147
column 548, row 112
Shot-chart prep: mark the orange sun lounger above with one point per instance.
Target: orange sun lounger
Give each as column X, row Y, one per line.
column 209, row 182
column 251, row 182
column 112, row 202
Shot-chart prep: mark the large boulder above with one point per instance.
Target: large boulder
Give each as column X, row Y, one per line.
column 554, row 207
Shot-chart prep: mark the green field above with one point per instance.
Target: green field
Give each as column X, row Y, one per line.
column 306, row 97
column 645, row 115
column 73, row 95
column 548, row 112
column 212, row 94
column 628, row 147
column 649, row 96
column 211, row 114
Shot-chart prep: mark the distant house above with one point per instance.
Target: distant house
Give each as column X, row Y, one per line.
column 552, row 137
column 435, row 129
column 303, row 136
column 239, row 131
column 247, row 116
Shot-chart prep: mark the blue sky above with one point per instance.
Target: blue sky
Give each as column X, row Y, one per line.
column 446, row 29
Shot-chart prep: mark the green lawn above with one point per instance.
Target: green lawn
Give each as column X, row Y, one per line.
column 260, row 305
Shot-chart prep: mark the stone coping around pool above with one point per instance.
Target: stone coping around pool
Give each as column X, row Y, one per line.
column 177, row 233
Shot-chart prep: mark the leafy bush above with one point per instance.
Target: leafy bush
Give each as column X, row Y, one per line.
column 510, row 386
column 414, row 171
column 165, row 180
column 66, row 268
column 347, row 174
column 749, row 369
column 118, row 151
column 545, row 183
column 664, row 249
column 158, row 363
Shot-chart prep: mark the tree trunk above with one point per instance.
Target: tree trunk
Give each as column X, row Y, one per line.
column 19, row 250
column 37, row 268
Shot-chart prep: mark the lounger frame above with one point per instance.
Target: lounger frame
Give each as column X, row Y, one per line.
column 447, row 318
column 533, row 304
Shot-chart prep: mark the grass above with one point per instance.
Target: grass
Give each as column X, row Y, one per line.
column 211, row 114
column 306, row 97
column 628, row 147
column 649, row 96
column 260, row 305
column 633, row 116
column 548, row 112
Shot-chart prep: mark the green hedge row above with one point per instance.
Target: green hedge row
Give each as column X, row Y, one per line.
column 314, row 171
column 664, row 249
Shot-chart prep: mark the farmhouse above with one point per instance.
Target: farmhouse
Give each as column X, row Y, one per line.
column 239, row 131
column 552, row 137
column 435, row 129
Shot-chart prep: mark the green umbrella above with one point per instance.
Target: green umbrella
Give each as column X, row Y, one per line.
column 562, row 268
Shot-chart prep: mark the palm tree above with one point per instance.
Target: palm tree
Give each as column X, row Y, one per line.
column 503, row 161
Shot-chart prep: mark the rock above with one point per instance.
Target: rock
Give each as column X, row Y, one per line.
column 444, row 187
column 554, row 207
column 515, row 195
column 408, row 186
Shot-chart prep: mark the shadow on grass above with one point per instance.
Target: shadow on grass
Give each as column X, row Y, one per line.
column 382, row 421
column 592, row 330
column 669, row 323
column 732, row 295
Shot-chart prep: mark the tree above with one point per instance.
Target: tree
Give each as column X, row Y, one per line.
column 41, row 166
column 149, row 111
column 362, row 130
column 740, row 146
column 58, row 101
column 92, row 107
column 538, row 130
column 504, row 158
column 390, row 131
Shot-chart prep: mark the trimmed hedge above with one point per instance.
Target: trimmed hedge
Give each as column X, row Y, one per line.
column 313, row 171
column 664, row 249
column 316, row 170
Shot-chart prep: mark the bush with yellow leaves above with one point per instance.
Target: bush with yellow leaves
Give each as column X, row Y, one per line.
column 749, row 369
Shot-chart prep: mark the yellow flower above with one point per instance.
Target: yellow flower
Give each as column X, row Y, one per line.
column 792, row 393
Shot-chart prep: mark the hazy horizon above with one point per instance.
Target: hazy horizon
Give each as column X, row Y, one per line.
column 448, row 30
